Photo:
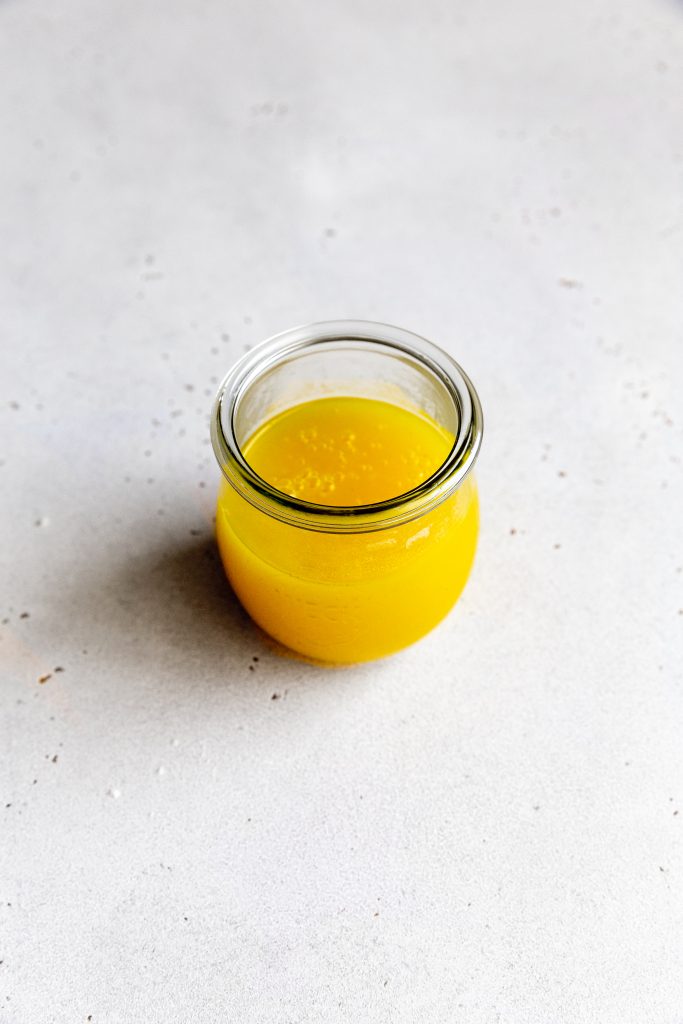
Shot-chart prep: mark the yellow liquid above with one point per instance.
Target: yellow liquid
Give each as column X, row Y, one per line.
column 347, row 597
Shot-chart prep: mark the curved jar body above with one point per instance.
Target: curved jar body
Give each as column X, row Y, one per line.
column 337, row 583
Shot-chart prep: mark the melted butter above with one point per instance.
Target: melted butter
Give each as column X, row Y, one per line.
column 347, row 597
column 347, row 451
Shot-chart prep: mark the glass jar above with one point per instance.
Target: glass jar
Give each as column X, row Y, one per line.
column 347, row 584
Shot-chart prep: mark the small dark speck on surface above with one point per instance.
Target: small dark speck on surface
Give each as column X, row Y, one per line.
column 330, row 232
column 189, row 387
column 24, row 615
column 557, row 547
column 675, row 812
column 513, row 531
column 251, row 668
column 55, row 759
column 255, row 658
column 195, row 533
column 44, row 679
column 14, row 405
column 561, row 473
column 275, row 696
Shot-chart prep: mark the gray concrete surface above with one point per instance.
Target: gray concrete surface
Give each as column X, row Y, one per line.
column 485, row 828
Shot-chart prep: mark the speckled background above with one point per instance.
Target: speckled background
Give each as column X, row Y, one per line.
column 484, row 828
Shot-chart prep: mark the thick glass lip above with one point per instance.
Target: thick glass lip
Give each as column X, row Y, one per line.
column 355, row 518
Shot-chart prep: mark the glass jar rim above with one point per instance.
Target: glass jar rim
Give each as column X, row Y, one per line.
column 338, row 518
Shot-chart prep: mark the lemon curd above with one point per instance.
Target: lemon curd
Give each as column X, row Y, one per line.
column 347, row 595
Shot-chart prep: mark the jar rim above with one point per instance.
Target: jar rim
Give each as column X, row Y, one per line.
column 343, row 518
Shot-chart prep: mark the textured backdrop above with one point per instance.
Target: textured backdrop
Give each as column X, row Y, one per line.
column 484, row 828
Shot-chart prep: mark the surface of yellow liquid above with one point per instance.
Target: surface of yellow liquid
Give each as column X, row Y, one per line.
column 347, row 597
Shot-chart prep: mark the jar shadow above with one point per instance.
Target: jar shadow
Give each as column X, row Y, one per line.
column 181, row 598
column 194, row 575
column 171, row 612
